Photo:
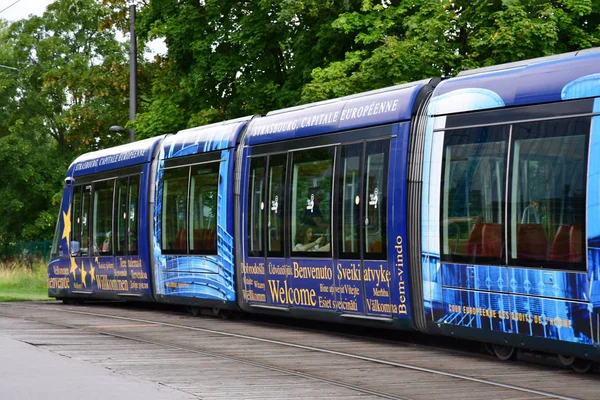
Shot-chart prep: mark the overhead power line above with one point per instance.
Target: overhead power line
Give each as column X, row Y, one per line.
column 7, row 67
column 1, row 11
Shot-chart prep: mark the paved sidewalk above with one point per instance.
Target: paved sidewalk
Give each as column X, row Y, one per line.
column 30, row 373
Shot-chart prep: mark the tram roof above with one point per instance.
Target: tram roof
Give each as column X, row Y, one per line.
column 540, row 80
column 203, row 139
column 123, row 156
column 376, row 107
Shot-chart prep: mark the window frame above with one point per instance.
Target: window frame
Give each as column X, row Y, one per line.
column 164, row 215
column 511, row 214
column 543, row 113
column 260, row 252
column 358, row 209
column 188, row 164
column 382, row 253
column 215, row 169
column 292, row 229
column 465, row 258
column 97, row 251
column 284, row 162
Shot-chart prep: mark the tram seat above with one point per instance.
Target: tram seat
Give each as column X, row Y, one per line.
column 350, row 246
column 575, row 244
column 485, row 240
column 205, row 239
column 560, row 245
column 274, row 240
column 531, row 242
column 375, row 247
column 180, row 240
column 491, row 240
column 474, row 241
column 566, row 245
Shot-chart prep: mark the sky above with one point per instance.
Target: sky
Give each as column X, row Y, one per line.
column 14, row 10
column 22, row 9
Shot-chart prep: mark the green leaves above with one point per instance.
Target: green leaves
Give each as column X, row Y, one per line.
column 72, row 85
column 231, row 58
column 74, row 78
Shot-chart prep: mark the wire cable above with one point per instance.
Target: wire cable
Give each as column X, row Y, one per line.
column 1, row 11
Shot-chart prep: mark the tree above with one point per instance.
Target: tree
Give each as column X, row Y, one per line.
column 404, row 41
column 72, row 84
column 230, row 58
column 74, row 76
column 31, row 173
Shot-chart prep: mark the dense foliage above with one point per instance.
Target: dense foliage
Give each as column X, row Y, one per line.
column 230, row 58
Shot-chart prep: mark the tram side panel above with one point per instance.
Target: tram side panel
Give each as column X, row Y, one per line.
column 193, row 243
column 400, row 279
column 368, row 207
column 101, row 248
column 536, row 288
column 592, row 292
column 60, row 278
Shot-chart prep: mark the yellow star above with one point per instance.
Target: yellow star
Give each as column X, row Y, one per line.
column 67, row 227
column 92, row 273
column 73, row 267
column 83, row 275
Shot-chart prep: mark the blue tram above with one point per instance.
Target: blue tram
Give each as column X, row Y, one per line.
column 467, row 207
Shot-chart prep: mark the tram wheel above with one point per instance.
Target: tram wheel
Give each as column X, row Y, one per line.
column 503, row 352
column 223, row 314
column 488, row 348
column 567, row 361
column 194, row 310
column 581, row 366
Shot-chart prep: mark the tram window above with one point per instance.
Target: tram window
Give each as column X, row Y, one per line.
column 132, row 218
column 174, row 210
column 351, row 200
column 54, row 252
column 547, row 198
column 84, row 224
column 203, row 209
column 276, row 203
column 473, row 186
column 121, row 217
column 256, row 206
column 102, row 218
column 76, row 215
column 311, row 200
column 375, row 199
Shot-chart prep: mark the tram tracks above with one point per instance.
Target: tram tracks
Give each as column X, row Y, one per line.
column 354, row 359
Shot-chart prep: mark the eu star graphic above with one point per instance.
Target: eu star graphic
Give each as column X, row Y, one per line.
column 93, row 270
column 66, row 234
column 83, row 275
column 67, row 227
column 73, row 266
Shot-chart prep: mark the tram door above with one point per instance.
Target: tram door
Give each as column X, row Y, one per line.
column 80, row 240
column 277, row 275
column 127, row 258
column 264, row 273
column 362, row 269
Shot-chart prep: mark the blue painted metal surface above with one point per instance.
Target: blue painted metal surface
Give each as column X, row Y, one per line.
column 105, row 275
column 200, row 276
column 367, row 109
column 118, row 157
column 544, row 303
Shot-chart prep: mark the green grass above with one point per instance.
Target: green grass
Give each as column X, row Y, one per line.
column 20, row 283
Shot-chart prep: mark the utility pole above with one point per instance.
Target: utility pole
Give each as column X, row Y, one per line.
column 132, row 70
column 7, row 67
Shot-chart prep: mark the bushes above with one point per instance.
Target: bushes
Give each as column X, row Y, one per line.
column 20, row 281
